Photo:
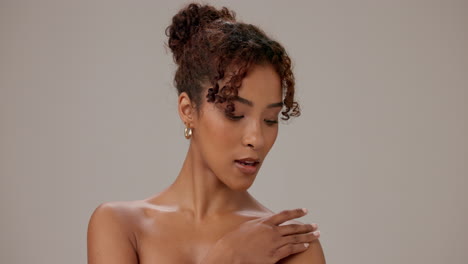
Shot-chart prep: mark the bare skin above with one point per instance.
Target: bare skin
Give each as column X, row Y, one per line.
column 207, row 215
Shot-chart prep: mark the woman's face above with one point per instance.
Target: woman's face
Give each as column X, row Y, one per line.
column 224, row 143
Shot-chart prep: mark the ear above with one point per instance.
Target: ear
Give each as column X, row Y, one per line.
column 186, row 109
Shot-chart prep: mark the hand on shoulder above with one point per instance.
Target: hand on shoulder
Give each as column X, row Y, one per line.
column 313, row 255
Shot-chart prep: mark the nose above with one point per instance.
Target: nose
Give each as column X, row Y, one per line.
column 253, row 137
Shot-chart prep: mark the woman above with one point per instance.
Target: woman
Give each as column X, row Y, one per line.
column 231, row 80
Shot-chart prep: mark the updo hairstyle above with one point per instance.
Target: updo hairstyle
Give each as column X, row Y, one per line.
column 209, row 44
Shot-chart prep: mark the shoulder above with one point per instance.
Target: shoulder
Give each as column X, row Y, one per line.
column 122, row 213
column 313, row 255
column 111, row 232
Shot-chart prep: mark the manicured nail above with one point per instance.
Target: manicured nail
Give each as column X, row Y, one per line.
column 306, row 245
column 305, row 210
column 316, row 233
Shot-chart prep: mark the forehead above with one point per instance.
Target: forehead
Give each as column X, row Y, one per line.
column 262, row 85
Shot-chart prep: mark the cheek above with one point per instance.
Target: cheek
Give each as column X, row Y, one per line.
column 219, row 144
column 271, row 136
column 217, row 129
column 218, row 134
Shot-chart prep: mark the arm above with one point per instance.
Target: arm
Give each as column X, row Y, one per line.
column 264, row 240
column 108, row 239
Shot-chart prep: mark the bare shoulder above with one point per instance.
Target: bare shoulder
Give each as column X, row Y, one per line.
column 313, row 255
column 111, row 233
column 122, row 209
column 123, row 213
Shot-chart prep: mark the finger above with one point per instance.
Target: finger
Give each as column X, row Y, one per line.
column 289, row 249
column 301, row 238
column 285, row 215
column 296, row 229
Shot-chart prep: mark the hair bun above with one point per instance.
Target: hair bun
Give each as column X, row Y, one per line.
column 188, row 21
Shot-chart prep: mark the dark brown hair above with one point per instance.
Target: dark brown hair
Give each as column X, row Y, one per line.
column 206, row 42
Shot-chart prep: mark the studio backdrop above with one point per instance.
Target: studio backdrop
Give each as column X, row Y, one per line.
column 88, row 114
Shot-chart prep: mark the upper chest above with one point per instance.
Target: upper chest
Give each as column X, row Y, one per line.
column 170, row 238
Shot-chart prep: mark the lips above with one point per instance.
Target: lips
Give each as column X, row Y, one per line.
column 247, row 165
column 248, row 162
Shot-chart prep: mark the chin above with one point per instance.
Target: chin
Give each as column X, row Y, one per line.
column 241, row 185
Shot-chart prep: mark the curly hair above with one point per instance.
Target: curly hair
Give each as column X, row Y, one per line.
column 206, row 43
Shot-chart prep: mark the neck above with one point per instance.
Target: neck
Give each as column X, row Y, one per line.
column 200, row 193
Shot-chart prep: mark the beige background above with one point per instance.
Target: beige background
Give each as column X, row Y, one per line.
column 379, row 156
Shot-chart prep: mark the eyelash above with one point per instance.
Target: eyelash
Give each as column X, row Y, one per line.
column 237, row 118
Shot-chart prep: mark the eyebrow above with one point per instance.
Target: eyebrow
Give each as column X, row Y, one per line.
column 250, row 103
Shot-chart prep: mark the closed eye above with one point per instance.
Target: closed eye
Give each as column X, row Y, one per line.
column 271, row 122
column 235, row 118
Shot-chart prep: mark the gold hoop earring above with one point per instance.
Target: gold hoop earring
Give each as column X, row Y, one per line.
column 188, row 132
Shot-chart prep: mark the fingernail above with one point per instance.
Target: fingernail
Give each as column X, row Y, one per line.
column 314, row 225
column 306, row 245
column 316, row 233
column 305, row 210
